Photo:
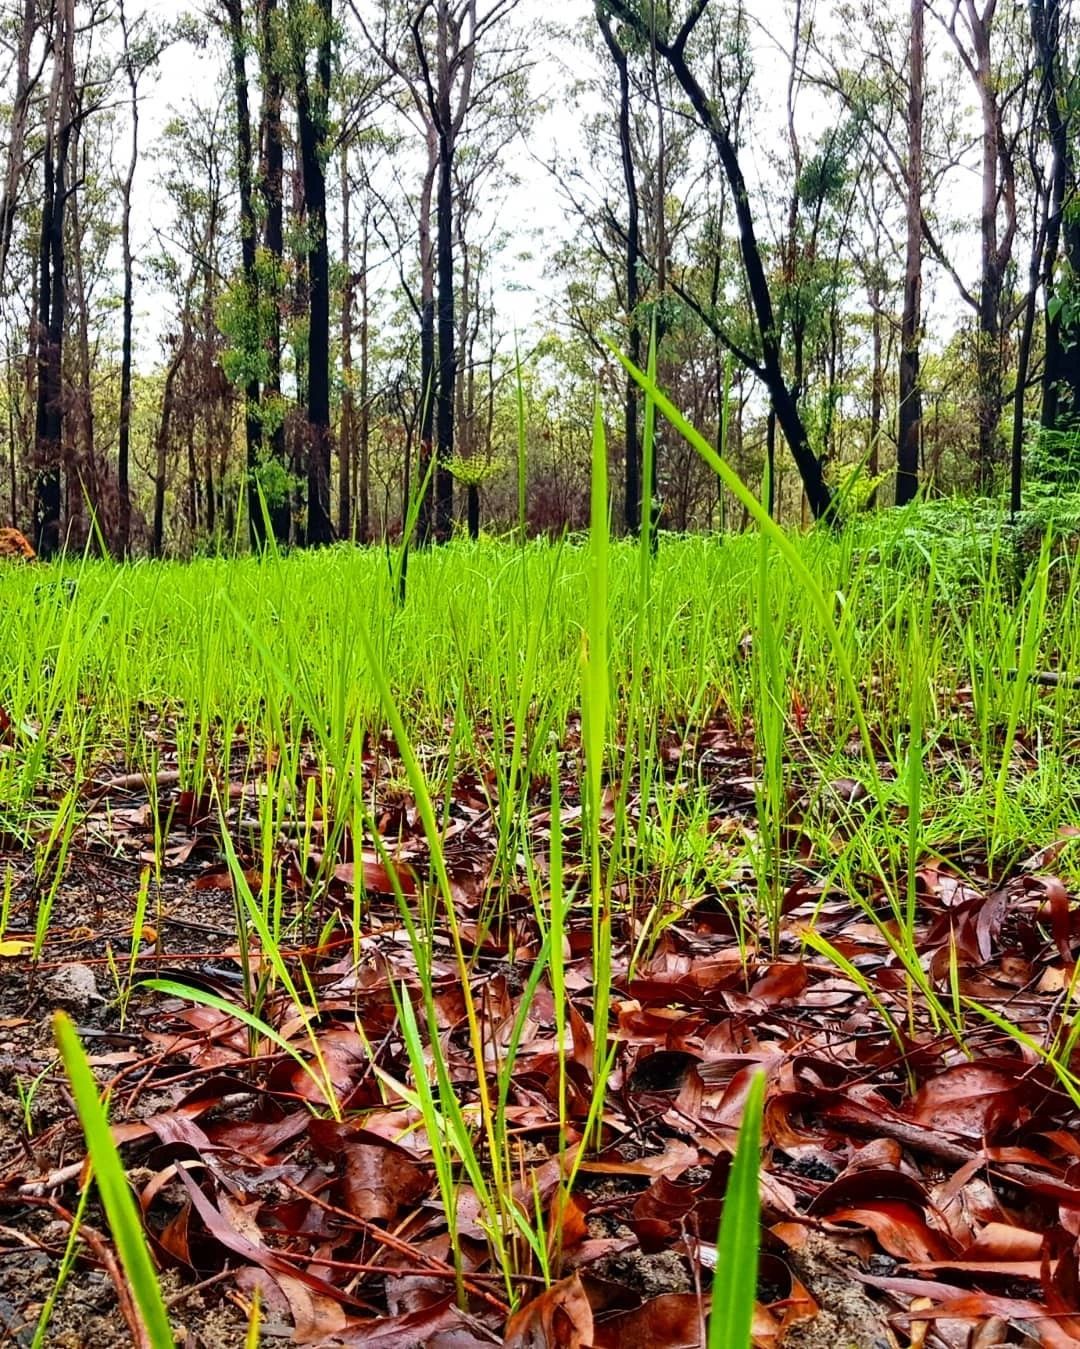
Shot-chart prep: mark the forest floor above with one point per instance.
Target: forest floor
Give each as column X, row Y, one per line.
column 886, row 926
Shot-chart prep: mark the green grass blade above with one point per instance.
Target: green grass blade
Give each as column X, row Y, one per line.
column 735, row 1284
column 120, row 1209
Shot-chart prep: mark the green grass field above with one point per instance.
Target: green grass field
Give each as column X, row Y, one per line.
column 568, row 809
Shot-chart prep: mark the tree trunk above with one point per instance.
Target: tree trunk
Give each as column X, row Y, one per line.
column 123, row 460
column 427, row 341
column 770, row 371
column 312, row 109
column 1061, row 368
column 168, row 400
column 632, row 263
column 252, row 422
column 444, row 217
column 53, row 294
column 24, row 88
column 84, row 479
column 877, row 381
column 1023, row 364
column 988, row 355
column 345, row 443
column 910, row 413
column 271, row 180
column 365, row 411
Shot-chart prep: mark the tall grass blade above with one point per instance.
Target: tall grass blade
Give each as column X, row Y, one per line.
column 737, row 1248
column 120, row 1209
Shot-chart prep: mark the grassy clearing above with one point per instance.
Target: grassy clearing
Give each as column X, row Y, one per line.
column 560, row 760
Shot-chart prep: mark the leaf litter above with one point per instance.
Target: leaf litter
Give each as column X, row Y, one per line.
column 917, row 1188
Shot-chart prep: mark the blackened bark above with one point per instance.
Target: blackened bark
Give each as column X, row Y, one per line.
column 312, row 108
column 364, row 433
column 271, row 180
column 877, row 381
column 1023, row 365
column 1061, row 368
column 910, row 412
column 252, row 423
column 348, row 419
column 632, row 281
column 123, row 458
column 427, row 342
column 53, row 282
column 444, row 418
column 47, row 493
column 784, row 402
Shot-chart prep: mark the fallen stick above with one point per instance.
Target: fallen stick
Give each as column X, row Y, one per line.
column 1048, row 679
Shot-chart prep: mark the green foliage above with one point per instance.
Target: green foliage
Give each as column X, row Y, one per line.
column 477, row 470
column 1052, row 461
column 275, row 481
column 1064, row 304
column 244, row 359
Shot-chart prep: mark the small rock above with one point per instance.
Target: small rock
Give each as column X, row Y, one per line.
column 73, row 988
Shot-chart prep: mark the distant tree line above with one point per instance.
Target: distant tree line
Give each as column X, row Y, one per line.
column 785, row 217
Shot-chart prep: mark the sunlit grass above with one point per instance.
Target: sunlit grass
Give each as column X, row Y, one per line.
column 587, row 669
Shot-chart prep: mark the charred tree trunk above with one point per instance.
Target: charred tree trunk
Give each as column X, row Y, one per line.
column 82, row 477
column 632, row 264
column 123, row 460
column 52, row 282
column 910, row 413
column 348, row 402
column 1061, row 369
column 877, row 381
column 444, row 419
column 252, row 422
column 425, row 519
column 271, row 189
column 312, row 109
column 364, row 433
column 770, row 370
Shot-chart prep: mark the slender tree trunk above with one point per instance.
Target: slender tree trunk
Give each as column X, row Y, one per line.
column 444, row 218
column 877, row 381
column 784, row 401
column 364, row 434
column 632, row 263
column 770, row 461
column 1061, row 367
column 425, row 522
column 348, row 419
column 123, row 461
column 194, row 494
column 271, row 189
column 1023, row 365
column 988, row 368
column 53, row 293
column 168, row 400
column 24, row 88
column 910, row 413
column 312, row 112
column 11, row 399
column 82, row 477
column 252, row 421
